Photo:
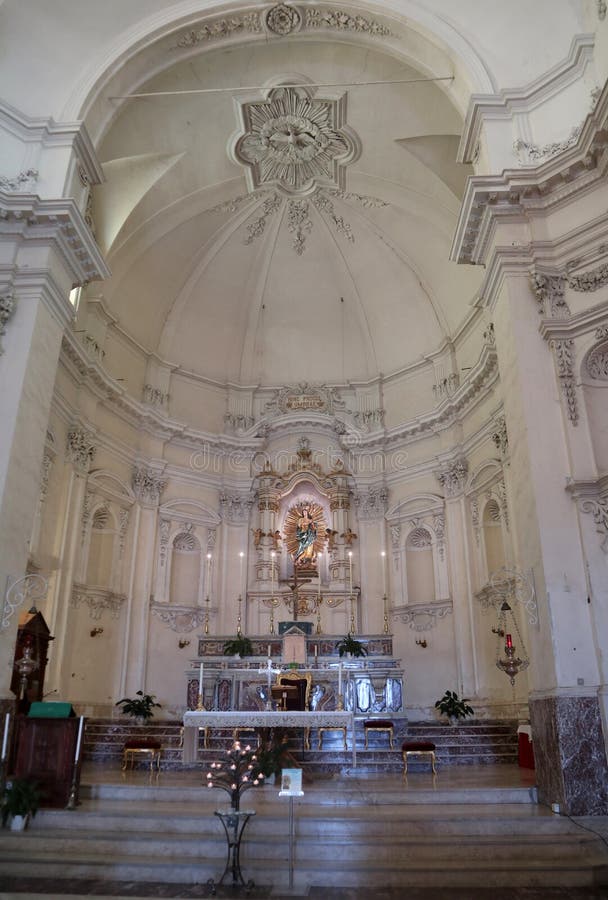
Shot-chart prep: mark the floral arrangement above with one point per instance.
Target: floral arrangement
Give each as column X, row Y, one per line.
column 235, row 774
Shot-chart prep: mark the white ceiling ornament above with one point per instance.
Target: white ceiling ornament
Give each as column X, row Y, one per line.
column 283, row 19
column 293, row 140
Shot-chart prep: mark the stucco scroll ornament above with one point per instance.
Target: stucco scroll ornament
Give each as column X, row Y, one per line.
column 599, row 510
column 221, row 28
column 589, row 281
column 294, row 141
column 601, row 9
column 513, row 586
column 147, row 485
column 549, row 290
column 28, row 589
column 342, row 21
column 164, row 526
column 7, row 308
column 423, row 616
column 182, row 619
column 564, row 359
column 80, row 450
column 21, row 182
column 532, row 154
column 500, row 437
column 453, row 476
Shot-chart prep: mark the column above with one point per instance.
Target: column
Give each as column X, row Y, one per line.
column 564, row 671
column 371, row 508
column 80, row 452
column 148, row 486
column 452, row 478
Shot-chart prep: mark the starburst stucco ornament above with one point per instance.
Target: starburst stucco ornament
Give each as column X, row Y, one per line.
column 293, row 140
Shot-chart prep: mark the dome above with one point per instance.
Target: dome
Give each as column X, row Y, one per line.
column 283, row 212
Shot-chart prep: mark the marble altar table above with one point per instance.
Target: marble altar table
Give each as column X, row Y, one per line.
column 262, row 719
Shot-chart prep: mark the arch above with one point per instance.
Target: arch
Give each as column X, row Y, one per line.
column 416, row 505
column 186, row 510
column 134, row 56
column 109, row 485
column 483, row 475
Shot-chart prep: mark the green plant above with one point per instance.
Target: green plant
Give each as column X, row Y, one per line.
column 21, row 798
column 238, row 646
column 272, row 753
column 452, row 706
column 351, row 645
column 140, row 707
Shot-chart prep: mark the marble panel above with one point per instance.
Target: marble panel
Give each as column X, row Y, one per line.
column 570, row 754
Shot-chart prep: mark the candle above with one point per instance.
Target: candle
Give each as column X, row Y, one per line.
column 350, row 569
column 79, row 739
column 241, row 555
column 316, row 650
column 200, row 680
column 272, row 573
column 340, row 679
column 5, row 737
column 383, row 555
column 268, row 651
column 509, row 641
column 208, row 574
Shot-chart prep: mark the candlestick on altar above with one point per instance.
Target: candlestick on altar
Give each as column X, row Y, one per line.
column 7, row 719
column 269, row 673
column 383, row 555
column 79, row 739
column 350, row 569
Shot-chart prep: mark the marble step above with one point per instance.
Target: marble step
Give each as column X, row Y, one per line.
column 403, row 869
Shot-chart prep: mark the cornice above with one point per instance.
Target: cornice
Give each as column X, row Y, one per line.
column 576, row 325
column 518, row 194
column 56, row 222
column 510, row 100
column 49, row 133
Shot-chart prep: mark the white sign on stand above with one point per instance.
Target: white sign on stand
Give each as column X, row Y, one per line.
column 291, row 786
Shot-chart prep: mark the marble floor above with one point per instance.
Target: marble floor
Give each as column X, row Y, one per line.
column 482, row 788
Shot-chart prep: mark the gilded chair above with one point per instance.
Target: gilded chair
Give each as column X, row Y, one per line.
column 299, row 701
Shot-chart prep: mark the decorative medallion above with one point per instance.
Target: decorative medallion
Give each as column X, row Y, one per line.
column 295, row 141
column 283, row 19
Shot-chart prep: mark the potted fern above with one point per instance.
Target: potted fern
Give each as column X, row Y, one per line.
column 238, row 646
column 20, row 803
column 453, row 707
column 140, row 707
column 350, row 646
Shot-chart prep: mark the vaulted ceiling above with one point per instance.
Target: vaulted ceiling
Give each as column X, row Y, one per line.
column 285, row 233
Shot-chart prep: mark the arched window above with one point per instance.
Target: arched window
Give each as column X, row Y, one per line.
column 419, row 566
column 185, row 568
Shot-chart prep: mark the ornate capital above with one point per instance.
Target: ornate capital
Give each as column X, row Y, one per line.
column 147, row 485
column 452, row 476
column 371, row 504
column 80, row 449
column 235, row 508
column 549, row 291
column 7, row 308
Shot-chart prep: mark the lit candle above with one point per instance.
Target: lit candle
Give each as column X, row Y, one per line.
column 316, row 650
column 509, row 641
column 241, row 555
column 5, row 737
column 200, row 680
column 268, row 651
column 208, row 574
column 383, row 555
column 79, row 739
column 339, row 679
column 350, row 569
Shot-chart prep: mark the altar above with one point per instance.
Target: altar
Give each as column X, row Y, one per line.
column 196, row 719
